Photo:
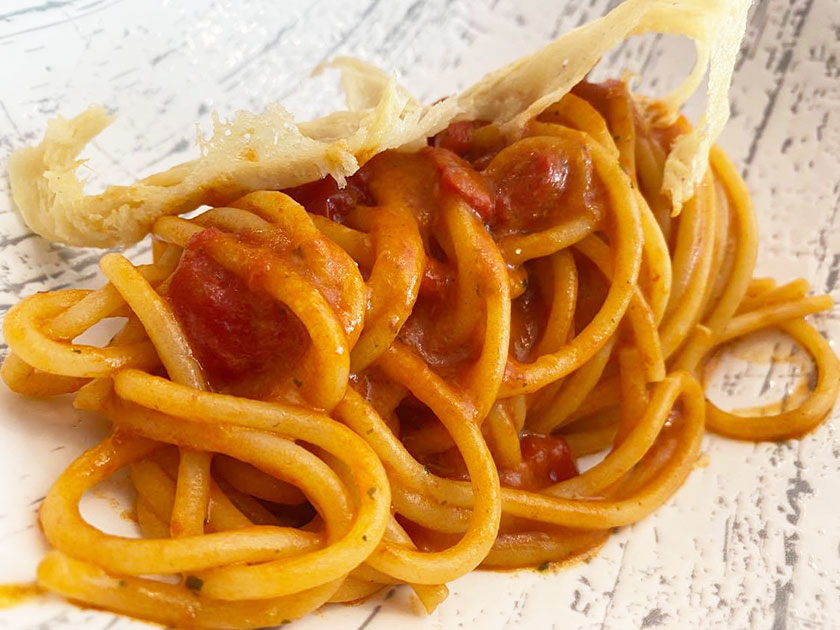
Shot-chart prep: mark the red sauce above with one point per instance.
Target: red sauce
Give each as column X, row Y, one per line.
column 437, row 278
column 235, row 331
column 546, row 459
column 592, row 291
column 324, row 197
column 447, row 464
column 425, row 437
column 427, row 332
column 528, row 312
column 527, row 186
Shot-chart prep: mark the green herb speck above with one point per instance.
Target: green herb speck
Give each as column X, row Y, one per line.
column 193, row 583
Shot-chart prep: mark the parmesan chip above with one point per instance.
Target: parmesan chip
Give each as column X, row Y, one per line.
column 272, row 151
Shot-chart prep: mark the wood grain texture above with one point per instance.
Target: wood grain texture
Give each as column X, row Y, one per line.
column 751, row 541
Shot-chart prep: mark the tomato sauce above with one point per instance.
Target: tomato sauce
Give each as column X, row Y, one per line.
column 592, row 291
column 527, row 186
column 235, row 331
column 546, row 460
column 528, row 312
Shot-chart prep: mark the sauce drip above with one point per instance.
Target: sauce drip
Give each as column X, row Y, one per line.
column 14, row 594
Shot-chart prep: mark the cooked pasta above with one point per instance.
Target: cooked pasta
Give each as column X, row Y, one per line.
column 392, row 382
column 326, row 390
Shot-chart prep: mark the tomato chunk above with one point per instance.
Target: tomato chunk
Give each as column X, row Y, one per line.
column 546, row 459
column 540, row 182
column 458, row 137
column 529, row 188
column 457, row 176
column 474, row 140
column 324, row 197
column 235, row 331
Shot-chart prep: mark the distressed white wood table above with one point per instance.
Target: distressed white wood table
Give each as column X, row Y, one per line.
column 751, row 541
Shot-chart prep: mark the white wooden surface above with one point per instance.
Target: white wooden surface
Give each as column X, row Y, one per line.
column 751, row 541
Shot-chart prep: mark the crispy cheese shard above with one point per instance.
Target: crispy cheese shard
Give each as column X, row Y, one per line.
column 272, row 151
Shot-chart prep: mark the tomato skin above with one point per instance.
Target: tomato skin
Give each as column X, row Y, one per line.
column 458, row 177
column 234, row 331
column 546, row 460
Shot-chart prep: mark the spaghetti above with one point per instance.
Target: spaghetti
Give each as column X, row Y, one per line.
column 323, row 391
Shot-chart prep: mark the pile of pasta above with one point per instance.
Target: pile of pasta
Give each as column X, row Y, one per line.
column 379, row 355
column 443, row 337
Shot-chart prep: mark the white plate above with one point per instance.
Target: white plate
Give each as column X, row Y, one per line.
column 753, row 540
